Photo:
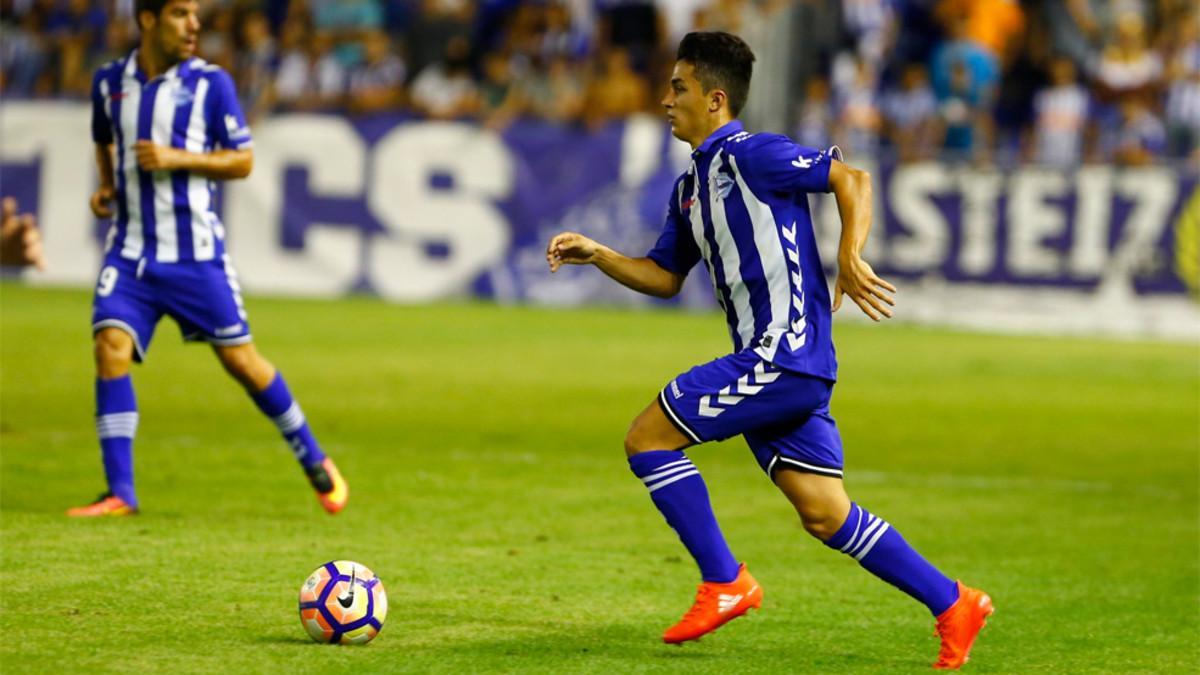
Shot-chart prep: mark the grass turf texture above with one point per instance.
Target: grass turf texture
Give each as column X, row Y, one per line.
column 490, row 493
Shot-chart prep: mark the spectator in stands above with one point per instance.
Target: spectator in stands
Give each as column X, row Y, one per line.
column 436, row 24
column 75, row 28
column 1128, row 68
column 1140, row 137
column 445, row 88
column 118, row 41
column 631, row 27
column 859, row 121
column 910, row 114
column 216, row 41
column 554, row 92
column 348, row 22
column 965, row 116
column 23, row 57
column 1183, row 88
column 993, row 25
column 871, row 25
column 500, row 101
column 310, row 77
column 378, row 83
column 616, row 91
column 1061, row 115
column 256, row 62
column 561, row 37
column 815, row 128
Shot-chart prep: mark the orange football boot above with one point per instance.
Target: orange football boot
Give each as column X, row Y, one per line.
column 332, row 489
column 960, row 625
column 106, row 504
column 716, row 604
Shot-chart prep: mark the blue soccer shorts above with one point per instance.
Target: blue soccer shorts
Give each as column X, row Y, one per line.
column 204, row 298
column 784, row 416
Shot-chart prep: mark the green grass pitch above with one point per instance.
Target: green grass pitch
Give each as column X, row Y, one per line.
column 490, row 493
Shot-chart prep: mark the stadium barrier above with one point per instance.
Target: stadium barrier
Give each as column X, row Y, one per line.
column 414, row 211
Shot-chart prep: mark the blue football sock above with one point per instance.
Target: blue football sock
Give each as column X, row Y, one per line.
column 681, row 495
column 277, row 403
column 879, row 548
column 116, row 425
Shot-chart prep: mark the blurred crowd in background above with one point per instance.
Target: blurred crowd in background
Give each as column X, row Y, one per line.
column 1056, row 82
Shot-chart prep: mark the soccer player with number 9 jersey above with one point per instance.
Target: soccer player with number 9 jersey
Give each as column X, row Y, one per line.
column 166, row 124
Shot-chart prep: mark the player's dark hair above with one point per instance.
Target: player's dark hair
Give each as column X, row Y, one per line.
column 722, row 61
column 155, row 7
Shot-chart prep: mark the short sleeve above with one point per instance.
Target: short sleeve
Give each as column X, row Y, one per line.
column 225, row 116
column 675, row 251
column 779, row 165
column 102, row 132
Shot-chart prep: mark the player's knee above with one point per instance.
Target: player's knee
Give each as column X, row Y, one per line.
column 113, row 350
column 243, row 363
column 819, row 520
column 639, row 439
column 633, row 441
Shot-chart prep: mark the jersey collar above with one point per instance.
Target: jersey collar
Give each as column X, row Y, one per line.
column 727, row 130
column 132, row 69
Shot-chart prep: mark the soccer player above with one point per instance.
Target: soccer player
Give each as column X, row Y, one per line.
column 172, row 125
column 742, row 208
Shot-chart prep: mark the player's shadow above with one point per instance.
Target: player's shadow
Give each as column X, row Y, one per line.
column 286, row 638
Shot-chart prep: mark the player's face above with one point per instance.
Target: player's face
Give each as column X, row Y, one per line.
column 176, row 29
column 687, row 105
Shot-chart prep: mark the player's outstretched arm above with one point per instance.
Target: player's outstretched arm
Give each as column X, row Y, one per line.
column 217, row 165
column 852, row 188
column 641, row 274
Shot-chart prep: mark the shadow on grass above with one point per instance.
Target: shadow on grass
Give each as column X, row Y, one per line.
column 289, row 638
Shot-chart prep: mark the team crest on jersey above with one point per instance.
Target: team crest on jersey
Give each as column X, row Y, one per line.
column 722, row 183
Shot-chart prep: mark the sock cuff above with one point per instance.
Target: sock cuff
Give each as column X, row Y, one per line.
column 115, row 396
column 646, row 463
column 848, row 528
column 276, row 399
column 665, row 469
column 859, row 534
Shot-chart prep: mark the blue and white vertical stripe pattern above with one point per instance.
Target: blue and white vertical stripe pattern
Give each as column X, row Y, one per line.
column 669, row 473
column 166, row 216
column 742, row 203
column 868, row 529
column 117, row 425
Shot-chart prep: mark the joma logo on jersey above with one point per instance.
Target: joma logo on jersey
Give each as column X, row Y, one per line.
column 802, row 162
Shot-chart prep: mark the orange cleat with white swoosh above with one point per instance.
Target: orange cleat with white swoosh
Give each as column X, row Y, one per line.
column 716, row 604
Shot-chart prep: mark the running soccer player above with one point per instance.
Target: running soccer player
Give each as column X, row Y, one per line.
column 742, row 208
column 172, row 125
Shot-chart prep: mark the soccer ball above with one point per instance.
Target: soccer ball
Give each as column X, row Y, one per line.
column 343, row 602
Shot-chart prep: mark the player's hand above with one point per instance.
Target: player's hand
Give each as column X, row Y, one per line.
column 857, row 280
column 20, row 240
column 570, row 248
column 153, row 157
column 101, row 199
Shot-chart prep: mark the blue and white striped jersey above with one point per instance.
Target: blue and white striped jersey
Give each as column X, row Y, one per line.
column 742, row 207
column 165, row 216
